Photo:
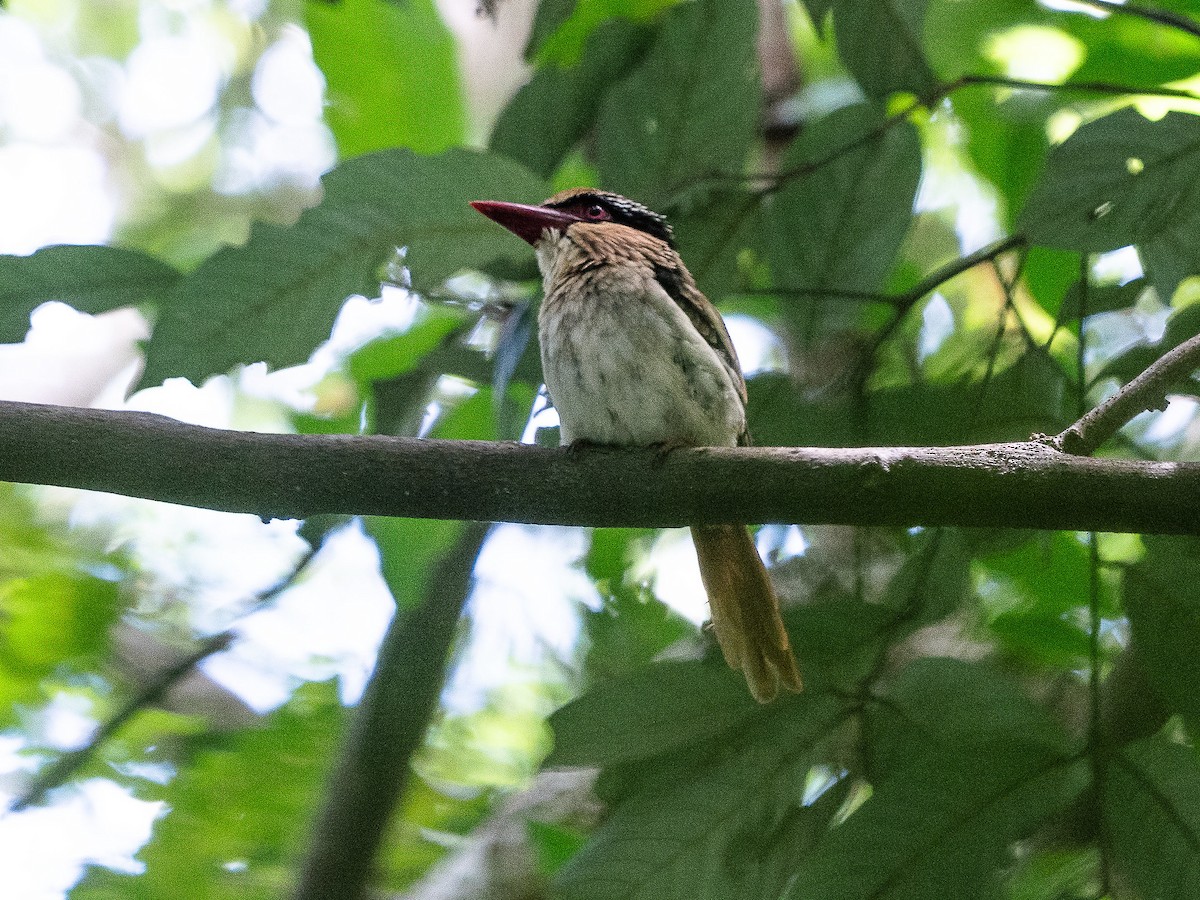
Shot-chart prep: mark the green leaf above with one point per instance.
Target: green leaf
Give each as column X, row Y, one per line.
column 562, row 28
column 1100, row 299
column 1124, row 180
column 941, row 825
column 963, row 764
column 1152, row 814
column 392, row 74
column 818, row 10
column 647, row 713
column 714, row 231
column 1162, row 597
column 275, row 298
column 237, row 815
column 690, row 111
column 91, row 279
column 550, row 114
column 842, row 224
column 882, row 44
column 948, row 706
column 698, row 836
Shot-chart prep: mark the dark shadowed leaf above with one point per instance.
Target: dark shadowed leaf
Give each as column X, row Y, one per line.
column 647, row 713
column 1124, row 180
column 964, row 764
column 957, row 706
column 275, row 298
column 562, row 28
column 91, row 279
column 841, row 224
column 941, row 825
column 550, row 114
column 690, row 111
column 1152, row 811
column 392, row 74
column 1162, row 597
column 882, row 43
column 702, row 834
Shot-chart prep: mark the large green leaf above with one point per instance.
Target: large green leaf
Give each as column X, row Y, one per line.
column 1152, row 814
column 55, row 609
column 690, row 111
column 702, row 834
column 92, row 279
column 941, row 825
column 964, row 764
column 1124, row 180
column 392, row 73
column 275, row 298
column 548, row 116
column 840, row 225
column 648, row 713
column 882, row 44
column 1162, row 597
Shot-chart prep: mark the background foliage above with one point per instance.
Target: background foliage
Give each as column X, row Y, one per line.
column 927, row 237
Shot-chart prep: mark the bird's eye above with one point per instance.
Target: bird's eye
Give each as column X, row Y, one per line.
column 596, row 213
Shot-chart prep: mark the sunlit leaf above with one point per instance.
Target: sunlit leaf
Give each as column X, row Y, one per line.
column 392, row 74
column 1124, row 180
column 275, row 298
column 238, row 813
column 91, row 279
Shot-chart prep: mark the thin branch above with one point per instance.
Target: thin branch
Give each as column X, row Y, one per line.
column 773, row 181
column 69, row 764
column 1150, row 14
column 910, row 298
column 1107, row 88
column 66, row 766
column 1146, row 392
column 1027, row 484
column 389, row 726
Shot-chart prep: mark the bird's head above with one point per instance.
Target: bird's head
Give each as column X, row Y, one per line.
column 536, row 224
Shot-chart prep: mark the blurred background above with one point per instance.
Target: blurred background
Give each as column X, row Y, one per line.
column 170, row 126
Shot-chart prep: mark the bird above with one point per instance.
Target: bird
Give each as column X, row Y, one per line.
column 634, row 355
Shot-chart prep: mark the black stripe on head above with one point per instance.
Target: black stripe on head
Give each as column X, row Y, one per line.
column 620, row 209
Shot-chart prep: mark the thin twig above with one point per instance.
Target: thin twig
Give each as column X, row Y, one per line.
column 1107, row 88
column 773, row 181
column 66, row 766
column 1151, row 14
column 906, row 301
column 1146, row 392
column 69, row 764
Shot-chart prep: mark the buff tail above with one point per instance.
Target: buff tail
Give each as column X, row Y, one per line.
column 745, row 611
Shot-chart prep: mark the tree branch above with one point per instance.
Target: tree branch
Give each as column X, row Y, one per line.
column 69, row 764
column 1148, row 391
column 66, row 766
column 1022, row 485
column 389, row 725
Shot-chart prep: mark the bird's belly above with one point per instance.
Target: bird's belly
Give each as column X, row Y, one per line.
column 636, row 373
